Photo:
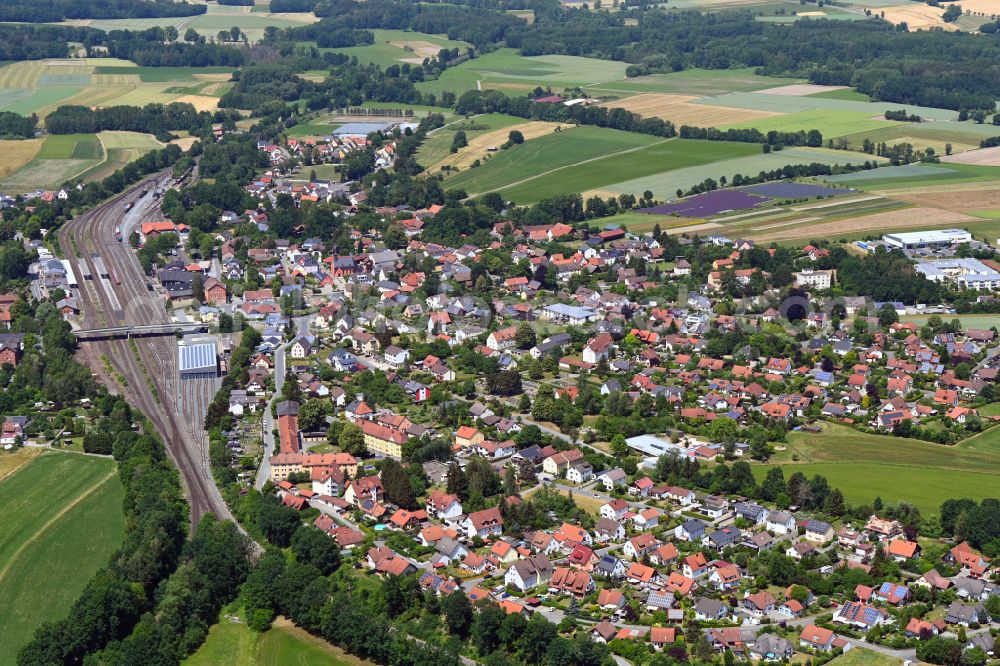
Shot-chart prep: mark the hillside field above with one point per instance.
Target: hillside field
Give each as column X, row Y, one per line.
column 864, row 466
column 39, row 86
column 61, row 157
column 395, row 47
column 662, row 157
column 233, row 643
column 508, row 71
column 551, row 151
column 61, row 522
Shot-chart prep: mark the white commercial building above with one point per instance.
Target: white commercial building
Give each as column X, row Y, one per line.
column 930, row 238
column 966, row 273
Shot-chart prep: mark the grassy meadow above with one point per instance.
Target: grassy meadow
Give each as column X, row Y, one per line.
column 569, row 147
column 395, row 47
column 506, row 70
column 62, row 520
column 658, row 158
column 232, row 643
column 864, row 466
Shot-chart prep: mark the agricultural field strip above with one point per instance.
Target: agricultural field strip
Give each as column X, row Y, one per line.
column 655, row 159
column 12, row 558
column 665, row 184
column 838, row 202
column 789, row 104
column 549, row 154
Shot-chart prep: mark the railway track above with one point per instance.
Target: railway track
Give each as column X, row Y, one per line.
column 149, row 365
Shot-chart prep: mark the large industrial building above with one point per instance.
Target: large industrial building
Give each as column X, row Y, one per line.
column 199, row 362
column 965, row 272
column 930, row 238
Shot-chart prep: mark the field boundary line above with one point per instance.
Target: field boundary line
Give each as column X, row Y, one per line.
column 54, row 519
column 575, row 164
column 18, row 468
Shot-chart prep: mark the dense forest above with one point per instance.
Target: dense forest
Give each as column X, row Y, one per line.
column 16, row 126
column 152, row 118
column 147, row 48
column 931, row 68
column 45, row 11
column 30, row 42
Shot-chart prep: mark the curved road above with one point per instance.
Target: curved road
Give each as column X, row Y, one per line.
column 149, row 365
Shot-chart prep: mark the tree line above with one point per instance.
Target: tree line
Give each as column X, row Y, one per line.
column 51, row 11
column 154, row 119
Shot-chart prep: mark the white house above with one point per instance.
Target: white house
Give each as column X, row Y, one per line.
column 780, row 522
column 483, row 524
column 530, row 572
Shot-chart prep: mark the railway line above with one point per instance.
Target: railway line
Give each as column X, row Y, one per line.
column 149, row 365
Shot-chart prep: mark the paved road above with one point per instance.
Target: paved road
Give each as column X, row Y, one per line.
column 264, row 471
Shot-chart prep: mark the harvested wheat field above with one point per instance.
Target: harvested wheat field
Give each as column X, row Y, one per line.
column 917, row 16
column 987, row 7
column 200, row 102
column 217, row 77
column 681, row 110
column 907, row 217
column 478, row 147
column 422, row 49
column 980, row 157
column 800, row 89
column 17, row 153
column 961, row 198
column 185, row 142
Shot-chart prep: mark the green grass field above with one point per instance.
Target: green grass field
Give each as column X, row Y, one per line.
column 832, row 123
column 864, row 466
column 233, row 644
column 926, row 176
column 659, row 158
column 863, row 657
column 437, row 146
column 847, row 94
column 40, row 98
column 692, row 82
column 394, row 47
column 548, row 152
column 506, row 70
column 665, row 185
column 968, row 321
column 161, row 74
column 61, row 522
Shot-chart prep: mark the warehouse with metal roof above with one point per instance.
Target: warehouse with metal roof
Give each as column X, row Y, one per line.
column 198, row 362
